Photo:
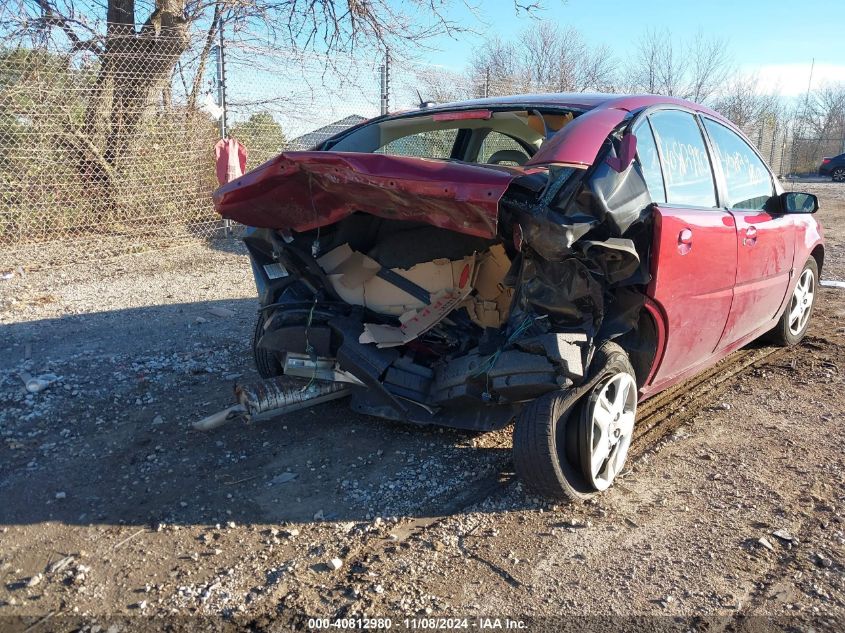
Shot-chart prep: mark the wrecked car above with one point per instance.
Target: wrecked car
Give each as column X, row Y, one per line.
column 549, row 260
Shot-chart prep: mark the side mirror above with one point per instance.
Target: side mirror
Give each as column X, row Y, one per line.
column 796, row 202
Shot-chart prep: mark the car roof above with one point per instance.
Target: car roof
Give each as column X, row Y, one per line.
column 575, row 100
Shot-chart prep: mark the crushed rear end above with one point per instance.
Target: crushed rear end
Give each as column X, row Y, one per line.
column 445, row 292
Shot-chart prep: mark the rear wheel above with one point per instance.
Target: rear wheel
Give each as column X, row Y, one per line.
column 838, row 174
column 795, row 319
column 570, row 449
column 265, row 362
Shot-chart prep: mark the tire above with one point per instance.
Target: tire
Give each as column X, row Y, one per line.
column 838, row 174
column 266, row 363
column 552, row 436
column 787, row 332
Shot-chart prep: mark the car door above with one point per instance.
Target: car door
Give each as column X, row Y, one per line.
column 765, row 237
column 693, row 262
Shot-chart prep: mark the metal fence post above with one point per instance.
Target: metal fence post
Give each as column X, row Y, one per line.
column 384, row 71
column 221, row 102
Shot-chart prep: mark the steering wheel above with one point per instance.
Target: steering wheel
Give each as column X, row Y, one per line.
column 508, row 155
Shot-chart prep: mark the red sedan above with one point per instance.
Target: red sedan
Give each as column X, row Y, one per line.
column 549, row 259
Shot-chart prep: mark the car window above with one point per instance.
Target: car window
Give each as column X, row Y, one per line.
column 649, row 161
column 748, row 182
column 683, row 155
column 430, row 144
column 498, row 142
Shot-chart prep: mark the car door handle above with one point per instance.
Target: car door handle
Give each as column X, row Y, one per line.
column 685, row 241
column 750, row 238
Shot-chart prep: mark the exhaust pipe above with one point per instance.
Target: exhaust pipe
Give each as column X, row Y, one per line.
column 271, row 397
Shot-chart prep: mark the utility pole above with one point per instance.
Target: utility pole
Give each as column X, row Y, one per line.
column 384, row 71
column 487, row 82
column 221, row 102
column 221, row 81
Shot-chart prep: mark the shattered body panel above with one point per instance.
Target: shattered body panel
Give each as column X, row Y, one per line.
column 447, row 291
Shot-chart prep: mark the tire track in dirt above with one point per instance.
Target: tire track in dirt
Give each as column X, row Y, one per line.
column 657, row 417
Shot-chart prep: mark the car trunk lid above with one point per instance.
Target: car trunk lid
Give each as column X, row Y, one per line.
column 304, row 190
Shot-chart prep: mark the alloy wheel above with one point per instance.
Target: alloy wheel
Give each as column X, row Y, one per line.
column 610, row 414
column 802, row 302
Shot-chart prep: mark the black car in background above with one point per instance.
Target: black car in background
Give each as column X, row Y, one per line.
column 833, row 167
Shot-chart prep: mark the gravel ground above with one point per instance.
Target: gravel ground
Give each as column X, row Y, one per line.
column 112, row 507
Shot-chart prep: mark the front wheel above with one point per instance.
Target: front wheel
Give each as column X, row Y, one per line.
column 795, row 319
column 568, row 447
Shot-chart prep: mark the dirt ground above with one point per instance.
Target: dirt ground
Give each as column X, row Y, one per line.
column 112, row 509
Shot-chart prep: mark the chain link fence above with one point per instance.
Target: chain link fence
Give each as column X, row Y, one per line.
column 111, row 151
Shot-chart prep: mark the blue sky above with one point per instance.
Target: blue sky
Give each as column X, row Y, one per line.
column 776, row 39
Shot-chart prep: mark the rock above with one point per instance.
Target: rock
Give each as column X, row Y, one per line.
column 223, row 313
column 784, row 535
column 59, row 565
column 823, row 561
column 61, row 495
column 283, row 478
column 378, row 589
column 335, row 564
column 319, row 516
column 200, row 320
column 35, row 580
column 765, row 543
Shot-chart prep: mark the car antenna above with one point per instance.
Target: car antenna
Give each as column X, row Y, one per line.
column 424, row 104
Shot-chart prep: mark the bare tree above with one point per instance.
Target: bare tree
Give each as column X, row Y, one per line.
column 545, row 58
column 694, row 70
column 498, row 67
column 134, row 47
column 709, row 67
column 742, row 101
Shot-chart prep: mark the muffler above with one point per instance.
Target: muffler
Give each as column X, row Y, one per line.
column 272, row 397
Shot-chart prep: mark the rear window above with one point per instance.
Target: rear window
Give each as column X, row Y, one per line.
column 430, row 144
column 504, row 137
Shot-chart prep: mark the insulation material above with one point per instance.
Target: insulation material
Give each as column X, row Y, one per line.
column 489, row 306
column 416, row 322
column 354, row 276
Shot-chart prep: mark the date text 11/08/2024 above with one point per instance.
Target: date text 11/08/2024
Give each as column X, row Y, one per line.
column 416, row 624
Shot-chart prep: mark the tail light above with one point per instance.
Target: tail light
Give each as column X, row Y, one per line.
column 825, row 161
